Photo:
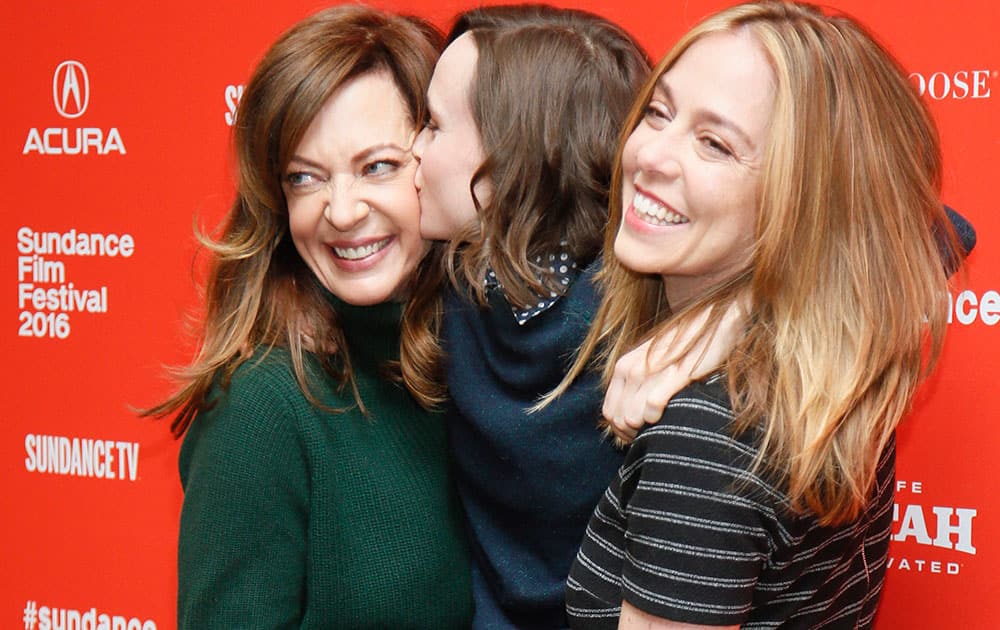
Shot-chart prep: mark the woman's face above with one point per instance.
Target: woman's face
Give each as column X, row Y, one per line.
column 449, row 147
column 692, row 167
column 353, row 212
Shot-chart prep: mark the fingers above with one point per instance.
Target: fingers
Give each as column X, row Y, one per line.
column 646, row 378
column 669, row 346
column 626, row 401
column 640, row 401
column 713, row 349
column 658, row 388
column 611, row 409
column 623, row 438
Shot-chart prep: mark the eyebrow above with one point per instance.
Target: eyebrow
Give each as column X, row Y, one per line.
column 301, row 160
column 360, row 156
column 710, row 116
column 365, row 154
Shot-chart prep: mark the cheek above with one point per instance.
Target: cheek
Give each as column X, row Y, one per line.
column 716, row 191
column 738, row 221
column 746, row 206
column 629, row 156
column 402, row 208
column 301, row 225
column 434, row 165
column 636, row 152
column 628, row 192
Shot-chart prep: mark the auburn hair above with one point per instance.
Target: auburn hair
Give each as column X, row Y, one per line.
column 259, row 292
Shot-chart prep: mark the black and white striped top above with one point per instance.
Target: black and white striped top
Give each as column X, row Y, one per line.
column 687, row 534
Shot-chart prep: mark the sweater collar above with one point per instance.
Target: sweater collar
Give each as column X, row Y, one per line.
column 372, row 332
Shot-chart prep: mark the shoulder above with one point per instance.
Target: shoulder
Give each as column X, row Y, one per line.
column 259, row 411
column 265, row 385
column 700, row 525
column 699, row 415
column 694, row 446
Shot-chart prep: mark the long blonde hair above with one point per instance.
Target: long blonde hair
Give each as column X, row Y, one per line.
column 846, row 281
column 259, row 292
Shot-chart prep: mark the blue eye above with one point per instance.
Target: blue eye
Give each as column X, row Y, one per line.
column 380, row 167
column 302, row 182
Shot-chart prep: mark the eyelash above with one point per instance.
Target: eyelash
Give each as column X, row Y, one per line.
column 713, row 144
column 657, row 111
column 303, row 179
column 368, row 170
column 294, row 179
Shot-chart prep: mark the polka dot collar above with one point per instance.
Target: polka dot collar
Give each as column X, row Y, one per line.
column 561, row 266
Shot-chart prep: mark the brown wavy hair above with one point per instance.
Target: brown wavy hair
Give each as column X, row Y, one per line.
column 848, row 293
column 549, row 95
column 259, row 292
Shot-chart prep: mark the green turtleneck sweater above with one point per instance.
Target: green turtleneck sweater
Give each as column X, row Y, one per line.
column 296, row 517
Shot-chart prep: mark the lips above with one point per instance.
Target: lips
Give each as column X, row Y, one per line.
column 360, row 252
column 652, row 211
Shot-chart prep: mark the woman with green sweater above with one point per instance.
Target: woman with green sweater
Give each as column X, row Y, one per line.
column 316, row 492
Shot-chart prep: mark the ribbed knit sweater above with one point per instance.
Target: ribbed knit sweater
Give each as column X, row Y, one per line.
column 296, row 517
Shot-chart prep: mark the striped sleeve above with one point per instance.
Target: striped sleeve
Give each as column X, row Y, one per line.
column 686, row 533
column 698, row 526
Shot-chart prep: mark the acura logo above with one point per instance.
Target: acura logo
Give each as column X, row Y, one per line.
column 70, row 89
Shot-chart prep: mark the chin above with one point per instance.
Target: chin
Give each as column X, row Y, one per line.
column 357, row 298
column 630, row 257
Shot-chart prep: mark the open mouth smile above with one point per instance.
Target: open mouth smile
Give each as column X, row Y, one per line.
column 654, row 212
column 364, row 251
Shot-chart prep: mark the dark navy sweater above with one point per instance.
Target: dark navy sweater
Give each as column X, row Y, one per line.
column 528, row 482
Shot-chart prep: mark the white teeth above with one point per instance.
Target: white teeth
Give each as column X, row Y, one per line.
column 656, row 213
column 357, row 253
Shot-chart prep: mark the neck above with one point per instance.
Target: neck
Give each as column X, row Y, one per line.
column 372, row 332
column 682, row 290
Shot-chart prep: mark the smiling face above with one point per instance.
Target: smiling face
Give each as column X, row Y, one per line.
column 691, row 169
column 353, row 212
column 449, row 147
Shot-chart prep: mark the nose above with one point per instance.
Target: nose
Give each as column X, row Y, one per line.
column 658, row 153
column 420, row 143
column 344, row 209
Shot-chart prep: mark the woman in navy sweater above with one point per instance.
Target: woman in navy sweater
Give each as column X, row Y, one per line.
column 515, row 162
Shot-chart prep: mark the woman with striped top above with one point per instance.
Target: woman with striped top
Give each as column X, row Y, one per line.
column 778, row 159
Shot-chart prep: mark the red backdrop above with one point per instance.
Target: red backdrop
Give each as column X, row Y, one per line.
column 108, row 160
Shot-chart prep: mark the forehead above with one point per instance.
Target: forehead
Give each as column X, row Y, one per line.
column 727, row 74
column 365, row 110
column 454, row 70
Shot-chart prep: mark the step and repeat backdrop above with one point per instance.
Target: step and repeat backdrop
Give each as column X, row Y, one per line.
column 115, row 144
